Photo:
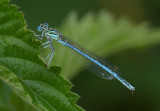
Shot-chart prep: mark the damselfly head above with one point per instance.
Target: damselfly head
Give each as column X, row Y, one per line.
column 45, row 25
column 42, row 27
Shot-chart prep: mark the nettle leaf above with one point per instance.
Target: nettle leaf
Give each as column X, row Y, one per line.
column 24, row 71
column 11, row 102
column 102, row 34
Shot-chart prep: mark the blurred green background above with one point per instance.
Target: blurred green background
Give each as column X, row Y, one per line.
column 139, row 66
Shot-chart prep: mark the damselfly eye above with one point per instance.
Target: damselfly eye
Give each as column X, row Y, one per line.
column 46, row 24
column 39, row 28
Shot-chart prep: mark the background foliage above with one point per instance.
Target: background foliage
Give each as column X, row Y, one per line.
column 131, row 44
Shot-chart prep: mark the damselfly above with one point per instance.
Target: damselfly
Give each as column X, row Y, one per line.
column 96, row 64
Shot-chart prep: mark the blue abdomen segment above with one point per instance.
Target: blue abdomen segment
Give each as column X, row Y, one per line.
column 95, row 64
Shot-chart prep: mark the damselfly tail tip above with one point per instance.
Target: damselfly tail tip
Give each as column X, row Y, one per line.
column 133, row 90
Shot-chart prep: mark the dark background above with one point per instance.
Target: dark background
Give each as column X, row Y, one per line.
column 143, row 66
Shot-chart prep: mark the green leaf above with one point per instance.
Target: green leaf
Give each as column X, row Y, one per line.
column 11, row 102
column 102, row 34
column 24, row 71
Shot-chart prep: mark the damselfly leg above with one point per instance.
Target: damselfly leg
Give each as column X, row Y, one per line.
column 46, row 45
column 50, row 55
